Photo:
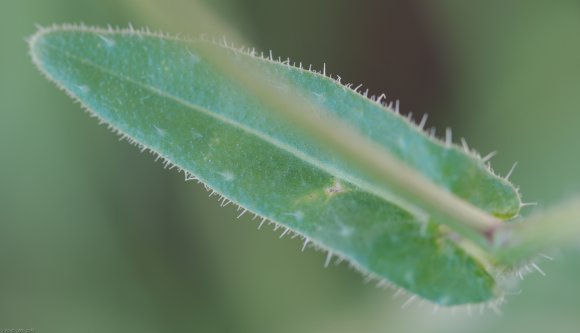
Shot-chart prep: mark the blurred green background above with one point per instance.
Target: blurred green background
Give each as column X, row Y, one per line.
column 96, row 237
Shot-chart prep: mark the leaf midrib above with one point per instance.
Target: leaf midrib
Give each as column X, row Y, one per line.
column 334, row 172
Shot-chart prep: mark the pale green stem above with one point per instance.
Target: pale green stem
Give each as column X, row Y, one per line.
column 555, row 228
column 414, row 188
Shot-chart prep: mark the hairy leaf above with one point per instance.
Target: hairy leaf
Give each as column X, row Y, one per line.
column 163, row 94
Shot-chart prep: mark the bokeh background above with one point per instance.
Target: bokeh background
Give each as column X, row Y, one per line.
column 97, row 237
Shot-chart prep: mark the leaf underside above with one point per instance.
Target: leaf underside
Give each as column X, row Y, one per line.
column 160, row 92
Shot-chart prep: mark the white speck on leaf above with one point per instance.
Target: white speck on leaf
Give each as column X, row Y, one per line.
column 346, row 231
column 335, row 188
column 83, row 88
column 160, row 131
column 108, row 41
column 227, row 176
column 319, row 96
column 298, row 215
column 194, row 57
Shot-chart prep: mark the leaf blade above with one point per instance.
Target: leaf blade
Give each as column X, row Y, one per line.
column 196, row 117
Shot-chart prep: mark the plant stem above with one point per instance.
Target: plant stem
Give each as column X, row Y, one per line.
column 554, row 228
column 420, row 195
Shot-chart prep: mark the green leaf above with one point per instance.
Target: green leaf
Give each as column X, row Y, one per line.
column 163, row 94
